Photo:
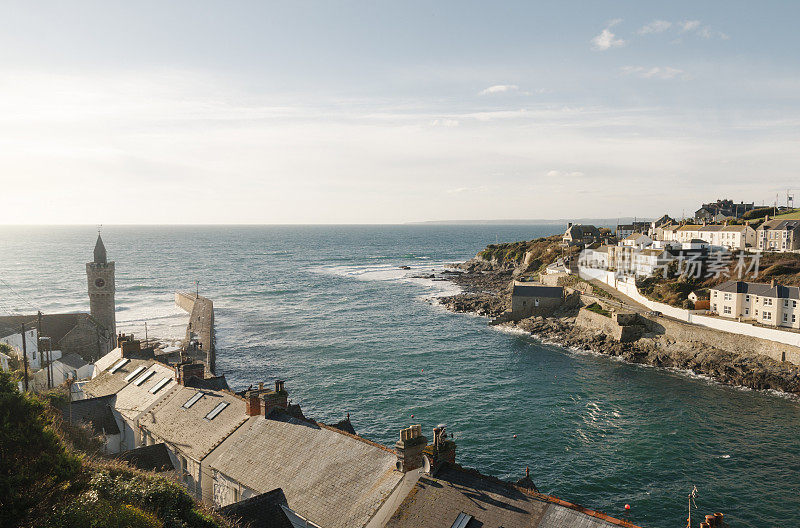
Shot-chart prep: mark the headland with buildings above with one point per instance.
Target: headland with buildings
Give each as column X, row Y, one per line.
column 717, row 294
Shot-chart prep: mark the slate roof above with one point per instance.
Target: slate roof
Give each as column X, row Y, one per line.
column 690, row 227
column 535, row 290
column 635, row 236
column 781, row 225
column 96, row 412
column 580, row 231
column 261, row 511
column 134, row 399
column 331, row 478
column 760, row 289
column 149, row 458
column 724, row 228
column 56, row 326
column 436, row 501
column 188, row 429
column 213, row 383
column 107, row 383
column 108, row 360
column 73, row 360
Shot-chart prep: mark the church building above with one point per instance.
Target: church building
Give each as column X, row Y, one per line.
column 89, row 335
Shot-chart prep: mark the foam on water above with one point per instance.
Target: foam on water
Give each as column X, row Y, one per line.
column 351, row 333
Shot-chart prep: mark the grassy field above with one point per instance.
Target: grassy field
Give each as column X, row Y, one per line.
column 794, row 215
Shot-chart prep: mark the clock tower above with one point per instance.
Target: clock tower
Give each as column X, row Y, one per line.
column 100, row 275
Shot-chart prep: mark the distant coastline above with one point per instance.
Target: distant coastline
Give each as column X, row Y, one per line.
column 535, row 221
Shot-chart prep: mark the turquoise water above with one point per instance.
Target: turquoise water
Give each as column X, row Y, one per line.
column 327, row 309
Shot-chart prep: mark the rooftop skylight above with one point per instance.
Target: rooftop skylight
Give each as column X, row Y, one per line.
column 193, row 400
column 160, row 385
column 216, row 410
column 144, row 377
column 135, row 373
column 121, row 363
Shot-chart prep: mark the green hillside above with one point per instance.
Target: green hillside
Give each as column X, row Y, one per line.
column 52, row 476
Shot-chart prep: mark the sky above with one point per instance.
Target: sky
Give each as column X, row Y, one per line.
column 390, row 112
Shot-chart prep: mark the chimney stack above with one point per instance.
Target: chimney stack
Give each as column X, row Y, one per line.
column 277, row 399
column 773, row 282
column 186, row 370
column 409, row 448
column 129, row 345
column 254, row 402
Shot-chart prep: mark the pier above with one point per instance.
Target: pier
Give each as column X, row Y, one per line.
column 200, row 330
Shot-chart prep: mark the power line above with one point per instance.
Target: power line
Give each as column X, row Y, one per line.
column 26, row 301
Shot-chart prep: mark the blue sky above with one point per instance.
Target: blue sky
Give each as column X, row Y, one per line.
column 373, row 112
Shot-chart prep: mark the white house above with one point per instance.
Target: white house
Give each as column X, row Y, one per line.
column 637, row 240
column 71, row 366
column 767, row 304
column 13, row 338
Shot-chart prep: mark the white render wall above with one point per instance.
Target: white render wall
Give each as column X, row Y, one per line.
column 629, row 288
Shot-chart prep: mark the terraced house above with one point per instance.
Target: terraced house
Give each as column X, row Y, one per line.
column 255, row 449
column 767, row 304
column 779, row 235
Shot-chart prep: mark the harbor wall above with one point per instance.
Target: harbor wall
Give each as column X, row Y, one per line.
column 200, row 327
column 689, row 325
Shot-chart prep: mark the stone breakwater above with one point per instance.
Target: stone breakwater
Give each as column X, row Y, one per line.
column 658, row 342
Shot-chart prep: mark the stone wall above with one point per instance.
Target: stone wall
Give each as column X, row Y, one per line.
column 200, row 327
column 737, row 343
column 609, row 325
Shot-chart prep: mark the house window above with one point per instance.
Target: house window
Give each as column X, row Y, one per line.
column 785, row 318
column 747, row 311
column 794, row 304
column 714, row 307
column 714, row 292
column 728, row 296
column 747, row 298
column 767, row 316
column 726, row 309
column 767, row 302
column 786, row 303
column 794, row 318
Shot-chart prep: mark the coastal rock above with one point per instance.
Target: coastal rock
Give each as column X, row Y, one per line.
column 485, row 292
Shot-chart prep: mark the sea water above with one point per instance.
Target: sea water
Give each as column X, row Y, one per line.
column 327, row 309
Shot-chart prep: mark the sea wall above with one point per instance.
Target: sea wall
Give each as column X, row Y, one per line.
column 200, row 327
column 739, row 344
column 621, row 329
column 739, row 329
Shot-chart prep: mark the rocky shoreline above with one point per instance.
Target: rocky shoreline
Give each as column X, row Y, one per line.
column 485, row 292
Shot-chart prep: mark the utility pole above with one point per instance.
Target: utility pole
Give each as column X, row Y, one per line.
column 25, row 358
column 196, row 289
column 145, row 333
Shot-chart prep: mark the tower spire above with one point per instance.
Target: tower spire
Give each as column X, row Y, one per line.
column 100, row 256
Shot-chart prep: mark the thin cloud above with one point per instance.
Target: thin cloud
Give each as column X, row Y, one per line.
column 688, row 25
column 564, row 174
column 607, row 39
column 499, row 88
column 657, row 72
column 656, row 26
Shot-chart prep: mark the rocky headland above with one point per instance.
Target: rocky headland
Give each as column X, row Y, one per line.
column 485, row 284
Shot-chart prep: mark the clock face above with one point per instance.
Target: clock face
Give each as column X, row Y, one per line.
column 99, row 282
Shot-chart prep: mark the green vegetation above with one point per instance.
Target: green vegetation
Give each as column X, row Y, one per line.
column 541, row 251
column 47, row 480
column 596, row 308
column 674, row 290
column 794, row 214
column 759, row 212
